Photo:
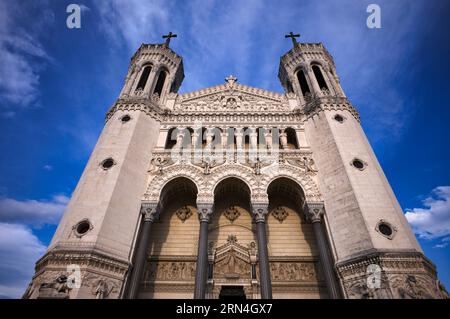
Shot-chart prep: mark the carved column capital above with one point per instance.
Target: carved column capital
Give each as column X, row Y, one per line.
column 149, row 212
column 314, row 211
column 260, row 211
column 204, row 211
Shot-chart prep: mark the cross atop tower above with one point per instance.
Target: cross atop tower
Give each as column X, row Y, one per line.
column 293, row 37
column 169, row 36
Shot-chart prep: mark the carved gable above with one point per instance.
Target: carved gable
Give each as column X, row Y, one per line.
column 231, row 97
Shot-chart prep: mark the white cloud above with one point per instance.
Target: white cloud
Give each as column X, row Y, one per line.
column 19, row 250
column 32, row 212
column 47, row 167
column 432, row 221
column 22, row 56
column 132, row 21
column 444, row 243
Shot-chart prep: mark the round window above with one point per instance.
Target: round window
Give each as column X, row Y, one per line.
column 125, row 118
column 359, row 164
column 385, row 229
column 108, row 163
column 339, row 118
column 82, row 227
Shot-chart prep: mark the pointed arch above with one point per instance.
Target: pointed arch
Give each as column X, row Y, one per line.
column 319, row 76
column 146, row 70
column 161, row 81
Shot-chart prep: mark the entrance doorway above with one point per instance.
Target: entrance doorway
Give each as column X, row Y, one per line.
column 232, row 292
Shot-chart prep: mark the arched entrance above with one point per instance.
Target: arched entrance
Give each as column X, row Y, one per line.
column 232, row 243
column 293, row 253
column 172, row 252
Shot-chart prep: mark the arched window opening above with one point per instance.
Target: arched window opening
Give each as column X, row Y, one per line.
column 261, row 136
column 291, row 138
column 303, row 82
column 171, row 139
column 203, row 137
column 247, row 137
column 144, row 77
column 187, row 141
column 160, row 83
column 319, row 76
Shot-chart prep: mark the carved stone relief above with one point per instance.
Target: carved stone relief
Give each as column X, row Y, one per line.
column 184, row 213
column 280, row 213
column 232, row 214
column 293, row 271
column 170, row 270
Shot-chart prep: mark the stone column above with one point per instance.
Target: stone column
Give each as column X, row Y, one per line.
column 201, row 273
column 150, row 80
column 129, row 81
column 314, row 213
column 149, row 214
column 314, row 83
column 259, row 212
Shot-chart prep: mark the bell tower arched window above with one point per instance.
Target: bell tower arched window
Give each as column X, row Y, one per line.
column 319, row 76
column 160, row 83
column 144, row 77
column 303, row 82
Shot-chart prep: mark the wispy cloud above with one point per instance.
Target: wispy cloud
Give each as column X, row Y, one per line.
column 432, row 221
column 22, row 57
column 133, row 21
column 32, row 212
column 19, row 250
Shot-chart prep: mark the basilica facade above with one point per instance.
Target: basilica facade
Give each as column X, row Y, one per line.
column 233, row 191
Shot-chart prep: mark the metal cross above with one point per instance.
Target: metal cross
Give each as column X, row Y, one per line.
column 167, row 37
column 293, row 37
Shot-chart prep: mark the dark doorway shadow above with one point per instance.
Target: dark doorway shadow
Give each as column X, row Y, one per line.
column 232, row 292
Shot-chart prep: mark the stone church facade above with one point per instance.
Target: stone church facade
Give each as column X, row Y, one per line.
column 233, row 190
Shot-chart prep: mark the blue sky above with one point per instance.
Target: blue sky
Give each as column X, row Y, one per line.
column 56, row 85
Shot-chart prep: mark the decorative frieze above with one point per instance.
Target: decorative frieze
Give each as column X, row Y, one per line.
column 407, row 275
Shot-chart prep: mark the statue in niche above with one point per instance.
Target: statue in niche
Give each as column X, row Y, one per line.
column 252, row 248
column 231, row 103
column 231, row 261
column 268, row 139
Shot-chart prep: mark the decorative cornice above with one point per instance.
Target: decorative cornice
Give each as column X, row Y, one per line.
column 136, row 104
column 329, row 103
column 92, row 258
